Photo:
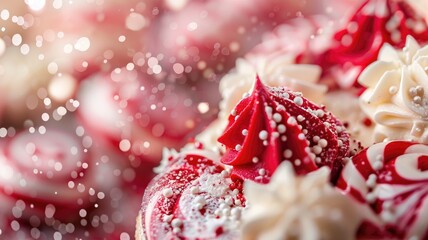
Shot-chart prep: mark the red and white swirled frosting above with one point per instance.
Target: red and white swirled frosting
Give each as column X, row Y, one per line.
column 193, row 198
column 374, row 23
column 392, row 178
column 48, row 175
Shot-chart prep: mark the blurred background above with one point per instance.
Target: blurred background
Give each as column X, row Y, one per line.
column 91, row 91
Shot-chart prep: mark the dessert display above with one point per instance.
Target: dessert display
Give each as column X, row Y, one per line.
column 288, row 152
column 202, row 119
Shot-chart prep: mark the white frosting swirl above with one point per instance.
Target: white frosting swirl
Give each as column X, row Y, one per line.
column 276, row 69
column 396, row 98
column 292, row 207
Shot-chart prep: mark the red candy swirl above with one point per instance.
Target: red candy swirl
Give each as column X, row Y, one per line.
column 392, row 178
column 48, row 176
column 274, row 125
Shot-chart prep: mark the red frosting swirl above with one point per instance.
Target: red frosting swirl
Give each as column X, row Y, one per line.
column 375, row 23
column 392, row 178
column 274, row 125
column 193, row 198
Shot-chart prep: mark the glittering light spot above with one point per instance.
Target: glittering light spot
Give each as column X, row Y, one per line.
column 124, row 236
column 2, row 46
column 192, row 26
column 42, row 130
column 62, row 87
column 82, row 44
column 58, row 166
column 68, row 48
column 135, row 21
column 176, row 4
column 80, row 131
column 234, row 46
column 57, row 236
column 158, row 130
column 203, row 107
column 3, row 132
column 6, row 172
column 57, row 4
column 61, row 111
column 25, row 49
column 4, row 14
column 53, row 68
column 50, row 210
column 157, row 69
column 122, row 38
column 178, row 68
column 45, row 117
column 125, row 145
column 16, row 39
column 15, row 225
column 152, row 62
column 36, row 5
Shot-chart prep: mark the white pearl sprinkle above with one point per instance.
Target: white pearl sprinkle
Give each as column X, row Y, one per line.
column 317, row 149
column 194, row 190
column 277, row 117
column 281, row 128
column 167, row 192
column 176, row 222
column 288, row 153
column 322, row 143
column 245, row 132
column 291, row 120
column 298, row 101
column 263, row 135
column 238, row 147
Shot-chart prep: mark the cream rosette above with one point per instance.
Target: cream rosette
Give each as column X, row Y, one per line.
column 276, row 69
column 396, row 98
column 299, row 207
